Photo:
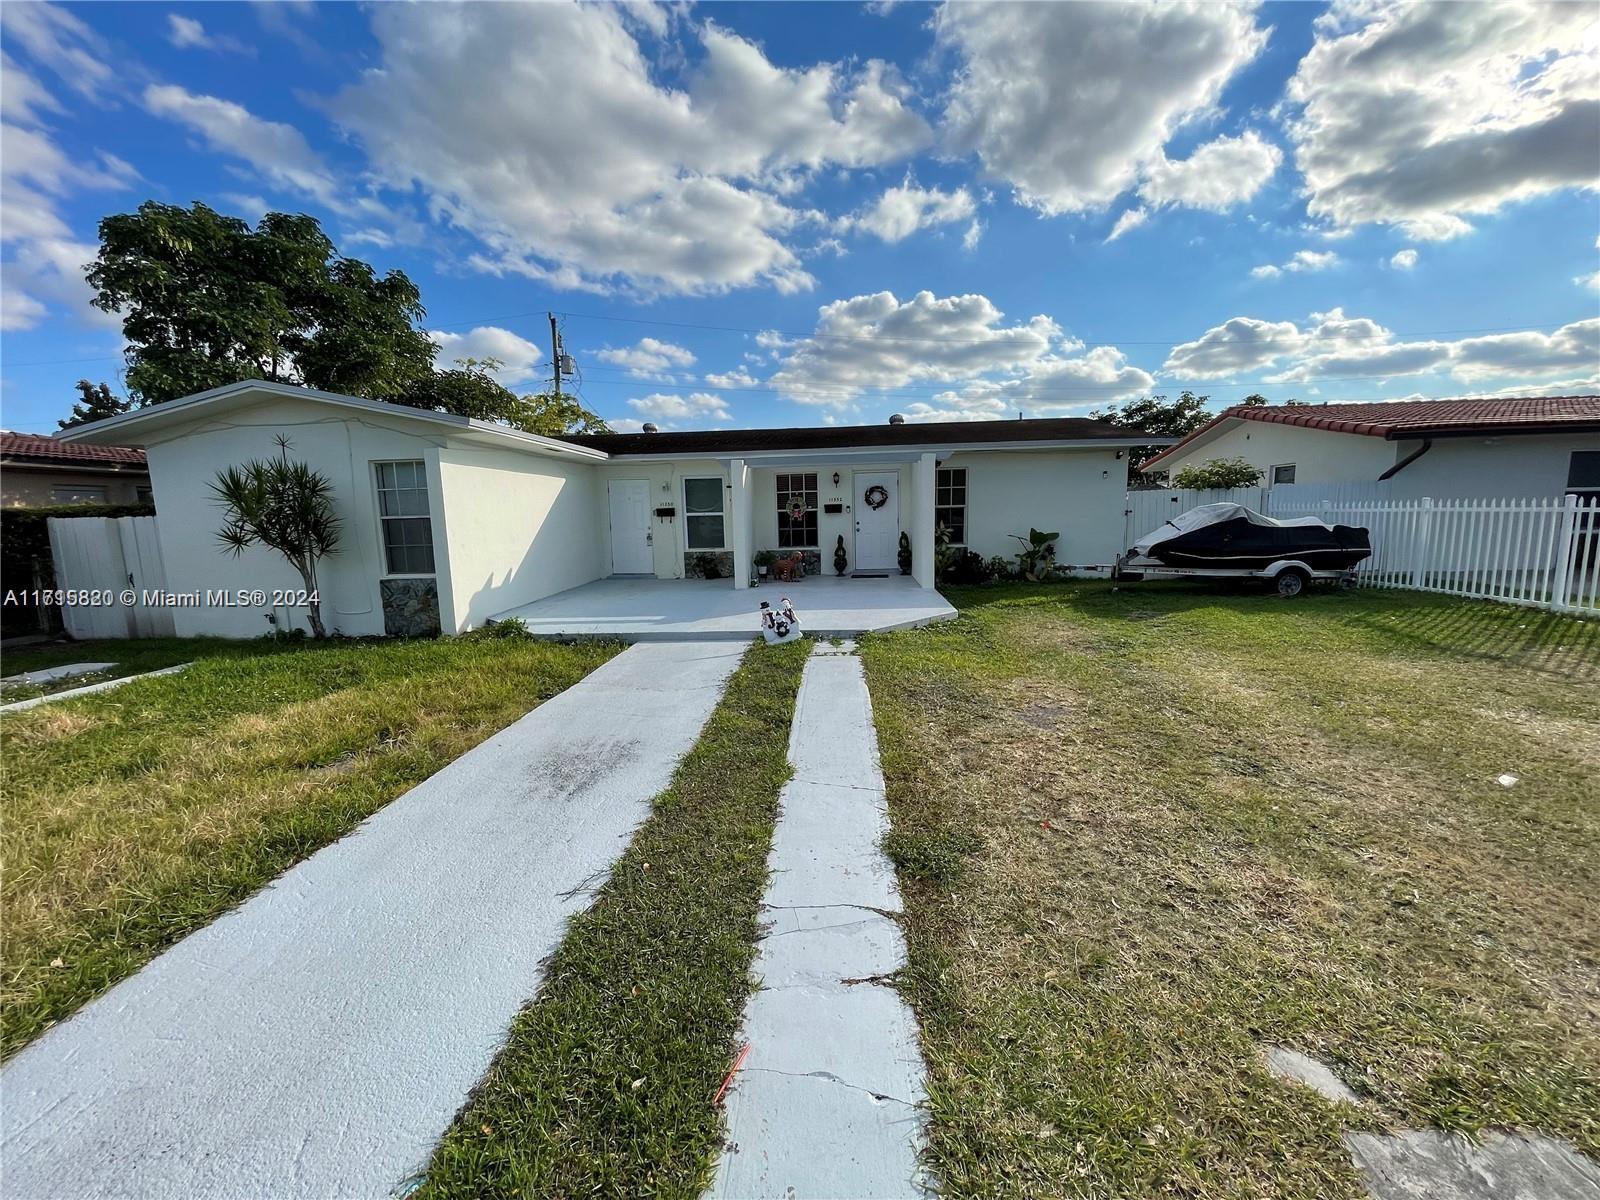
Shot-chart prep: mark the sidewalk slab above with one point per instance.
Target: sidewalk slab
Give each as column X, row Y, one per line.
column 317, row 1041
column 830, row 1100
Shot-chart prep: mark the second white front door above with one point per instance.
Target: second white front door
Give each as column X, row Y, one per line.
column 631, row 552
column 877, row 505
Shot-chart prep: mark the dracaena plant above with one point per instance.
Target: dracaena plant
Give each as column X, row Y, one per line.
column 1036, row 560
column 284, row 505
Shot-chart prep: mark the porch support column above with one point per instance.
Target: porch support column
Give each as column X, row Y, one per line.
column 922, row 521
column 740, row 514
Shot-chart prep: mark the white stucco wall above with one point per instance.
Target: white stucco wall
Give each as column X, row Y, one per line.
column 666, row 488
column 185, row 460
column 519, row 527
column 830, row 526
column 1079, row 493
column 1505, row 467
column 1454, row 468
column 1319, row 455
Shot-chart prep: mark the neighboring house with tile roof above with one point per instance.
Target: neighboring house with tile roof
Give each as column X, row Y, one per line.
column 1525, row 447
column 38, row 471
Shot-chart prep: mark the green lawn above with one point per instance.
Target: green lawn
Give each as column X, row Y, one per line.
column 1144, row 832
column 133, row 657
column 606, row 1085
column 135, row 816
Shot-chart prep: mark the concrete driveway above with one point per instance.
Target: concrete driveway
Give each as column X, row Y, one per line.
column 318, row 1040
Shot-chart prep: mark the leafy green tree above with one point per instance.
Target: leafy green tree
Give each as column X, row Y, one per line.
column 284, row 505
column 471, row 390
column 97, row 404
column 1159, row 417
column 206, row 300
column 1255, row 400
column 1218, row 473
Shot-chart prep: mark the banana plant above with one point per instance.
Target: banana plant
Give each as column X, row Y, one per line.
column 1037, row 558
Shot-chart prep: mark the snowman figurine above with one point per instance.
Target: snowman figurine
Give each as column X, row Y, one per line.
column 779, row 624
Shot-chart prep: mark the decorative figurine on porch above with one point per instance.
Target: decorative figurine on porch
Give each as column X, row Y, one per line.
column 779, row 624
column 904, row 556
column 840, row 559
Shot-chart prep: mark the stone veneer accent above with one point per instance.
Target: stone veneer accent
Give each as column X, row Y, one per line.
column 410, row 607
column 723, row 559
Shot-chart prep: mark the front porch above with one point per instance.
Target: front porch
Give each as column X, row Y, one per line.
column 638, row 610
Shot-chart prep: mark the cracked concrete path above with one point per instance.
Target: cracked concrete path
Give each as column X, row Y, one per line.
column 829, row 1101
column 317, row 1040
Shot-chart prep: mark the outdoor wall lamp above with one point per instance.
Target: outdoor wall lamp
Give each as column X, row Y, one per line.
column 836, row 479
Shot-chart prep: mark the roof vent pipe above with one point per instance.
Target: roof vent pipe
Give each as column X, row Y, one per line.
column 896, row 419
column 651, row 427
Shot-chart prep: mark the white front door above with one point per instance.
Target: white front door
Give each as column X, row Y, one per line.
column 631, row 553
column 877, row 529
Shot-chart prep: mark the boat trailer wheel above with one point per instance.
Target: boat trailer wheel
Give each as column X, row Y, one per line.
column 1291, row 582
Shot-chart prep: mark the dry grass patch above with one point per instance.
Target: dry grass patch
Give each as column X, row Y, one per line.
column 136, row 816
column 1245, row 821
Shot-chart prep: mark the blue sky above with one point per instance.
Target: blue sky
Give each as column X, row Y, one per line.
column 794, row 214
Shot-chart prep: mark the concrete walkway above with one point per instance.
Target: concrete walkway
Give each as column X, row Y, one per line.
column 829, row 1100
column 317, row 1040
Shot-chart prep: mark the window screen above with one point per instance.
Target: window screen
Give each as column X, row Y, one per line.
column 1283, row 474
column 950, row 503
column 797, row 532
column 704, row 527
column 403, row 511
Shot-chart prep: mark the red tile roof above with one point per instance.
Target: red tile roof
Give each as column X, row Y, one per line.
column 1396, row 419
column 20, row 447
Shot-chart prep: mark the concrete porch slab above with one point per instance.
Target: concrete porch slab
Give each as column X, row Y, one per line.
column 640, row 610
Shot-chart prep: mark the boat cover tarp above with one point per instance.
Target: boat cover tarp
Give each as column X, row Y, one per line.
column 1236, row 537
column 1215, row 514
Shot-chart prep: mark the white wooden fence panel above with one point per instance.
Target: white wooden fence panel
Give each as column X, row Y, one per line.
column 110, row 555
column 1541, row 552
column 1148, row 508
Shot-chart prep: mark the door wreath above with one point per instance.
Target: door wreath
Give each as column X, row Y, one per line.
column 797, row 508
column 876, row 496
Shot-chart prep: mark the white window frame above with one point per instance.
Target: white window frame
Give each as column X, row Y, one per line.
column 1272, row 474
column 965, row 515
column 815, row 509
column 377, row 512
column 722, row 497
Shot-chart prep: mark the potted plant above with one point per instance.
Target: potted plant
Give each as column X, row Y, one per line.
column 764, row 560
column 904, row 555
column 840, row 559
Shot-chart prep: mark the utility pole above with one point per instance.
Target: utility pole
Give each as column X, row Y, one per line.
column 555, row 353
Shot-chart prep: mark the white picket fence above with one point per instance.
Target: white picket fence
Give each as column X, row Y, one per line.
column 100, row 558
column 1544, row 553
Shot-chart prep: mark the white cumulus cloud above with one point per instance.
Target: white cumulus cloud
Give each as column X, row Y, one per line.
column 1070, row 103
column 1216, row 177
column 517, row 355
column 648, row 357
column 902, row 210
column 1421, row 115
column 1404, row 260
column 1303, row 260
column 605, row 177
column 672, row 411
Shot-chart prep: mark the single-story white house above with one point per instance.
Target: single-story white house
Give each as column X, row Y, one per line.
column 1446, row 449
column 448, row 522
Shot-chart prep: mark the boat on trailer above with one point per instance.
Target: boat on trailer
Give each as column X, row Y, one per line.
column 1230, row 541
